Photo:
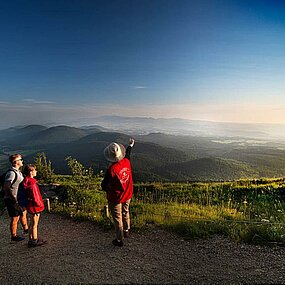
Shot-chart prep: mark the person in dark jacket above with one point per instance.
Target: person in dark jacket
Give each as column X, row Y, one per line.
column 118, row 183
column 35, row 204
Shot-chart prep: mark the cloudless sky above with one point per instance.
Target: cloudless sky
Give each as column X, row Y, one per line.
column 219, row 60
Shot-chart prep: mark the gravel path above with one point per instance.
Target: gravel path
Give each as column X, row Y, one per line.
column 80, row 252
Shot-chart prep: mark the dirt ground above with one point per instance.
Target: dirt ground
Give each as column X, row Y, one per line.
column 81, row 252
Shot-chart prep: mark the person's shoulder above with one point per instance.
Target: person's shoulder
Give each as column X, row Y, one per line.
column 15, row 171
column 12, row 170
column 10, row 174
column 125, row 161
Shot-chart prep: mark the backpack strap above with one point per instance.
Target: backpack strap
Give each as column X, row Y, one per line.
column 16, row 176
column 2, row 193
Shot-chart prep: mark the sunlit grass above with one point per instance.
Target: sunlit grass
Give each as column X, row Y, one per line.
column 245, row 211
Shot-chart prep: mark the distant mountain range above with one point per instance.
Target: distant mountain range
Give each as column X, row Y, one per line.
column 175, row 126
column 155, row 157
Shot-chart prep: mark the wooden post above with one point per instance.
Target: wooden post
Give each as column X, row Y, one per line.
column 106, row 209
column 48, row 204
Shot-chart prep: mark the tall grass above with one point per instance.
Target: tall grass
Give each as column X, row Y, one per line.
column 246, row 210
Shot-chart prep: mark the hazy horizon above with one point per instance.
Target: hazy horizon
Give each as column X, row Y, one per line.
column 172, row 126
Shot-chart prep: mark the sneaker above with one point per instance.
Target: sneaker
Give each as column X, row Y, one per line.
column 38, row 242
column 26, row 232
column 115, row 242
column 126, row 234
column 17, row 238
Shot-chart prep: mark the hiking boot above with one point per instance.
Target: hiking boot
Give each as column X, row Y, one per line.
column 126, row 234
column 17, row 238
column 115, row 242
column 37, row 242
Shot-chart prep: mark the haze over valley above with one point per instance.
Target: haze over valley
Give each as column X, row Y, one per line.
column 165, row 150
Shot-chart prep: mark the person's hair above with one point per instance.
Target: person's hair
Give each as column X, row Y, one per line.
column 28, row 168
column 13, row 157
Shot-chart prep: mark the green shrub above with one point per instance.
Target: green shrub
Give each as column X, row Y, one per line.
column 45, row 172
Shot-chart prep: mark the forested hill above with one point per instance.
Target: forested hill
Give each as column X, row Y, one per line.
column 155, row 157
column 206, row 169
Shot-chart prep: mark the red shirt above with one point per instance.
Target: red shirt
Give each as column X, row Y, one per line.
column 120, row 183
column 35, row 200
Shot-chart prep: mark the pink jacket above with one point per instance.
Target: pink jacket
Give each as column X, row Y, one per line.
column 35, row 200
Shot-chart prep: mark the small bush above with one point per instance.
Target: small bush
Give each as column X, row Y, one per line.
column 45, row 172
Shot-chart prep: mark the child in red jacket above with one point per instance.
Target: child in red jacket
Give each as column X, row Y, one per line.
column 35, row 204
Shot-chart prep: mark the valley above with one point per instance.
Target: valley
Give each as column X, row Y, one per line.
column 156, row 156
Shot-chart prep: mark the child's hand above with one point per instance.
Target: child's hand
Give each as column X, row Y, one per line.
column 131, row 142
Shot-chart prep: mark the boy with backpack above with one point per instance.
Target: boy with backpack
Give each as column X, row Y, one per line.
column 13, row 178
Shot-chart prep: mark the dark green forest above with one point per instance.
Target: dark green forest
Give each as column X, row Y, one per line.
column 155, row 157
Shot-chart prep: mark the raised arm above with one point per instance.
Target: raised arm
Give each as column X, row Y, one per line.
column 129, row 148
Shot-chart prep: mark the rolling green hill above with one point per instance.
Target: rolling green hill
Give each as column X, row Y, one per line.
column 20, row 135
column 144, row 157
column 269, row 162
column 105, row 137
column 155, row 157
column 31, row 136
column 59, row 134
column 206, row 169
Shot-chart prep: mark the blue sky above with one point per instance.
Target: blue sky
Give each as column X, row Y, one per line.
column 209, row 59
